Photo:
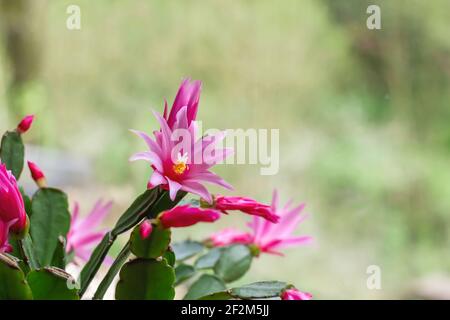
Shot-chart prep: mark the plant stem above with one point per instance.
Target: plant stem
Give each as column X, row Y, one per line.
column 147, row 205
column 112, row 272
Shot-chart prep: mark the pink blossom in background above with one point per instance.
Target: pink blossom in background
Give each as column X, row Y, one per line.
column 294, row 294
column 246, row 205
column 228, row 236
column 25, row 124
column 267, row 236
column 84, row 233
column 4, row 233
column 185, row 216
column 11, row 202
column 183, row 167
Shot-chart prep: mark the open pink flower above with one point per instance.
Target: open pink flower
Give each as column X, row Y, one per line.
column 84, row 234
column 294, row 294
column 246, row 205
column 270, row 237
column 180, row 159
column 4, row 233
column 11, row 201
column 185, row 216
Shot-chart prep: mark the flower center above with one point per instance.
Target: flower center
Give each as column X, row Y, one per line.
column 180, row 166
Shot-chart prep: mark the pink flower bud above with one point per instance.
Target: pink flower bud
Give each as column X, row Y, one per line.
column 145, row 229
column 37, row 175
column 294, row 294
column 246, row 205
column 12, row 207
column 25, row 124
column 185, row 215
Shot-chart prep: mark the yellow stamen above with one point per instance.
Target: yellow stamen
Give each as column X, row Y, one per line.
column 180, row 165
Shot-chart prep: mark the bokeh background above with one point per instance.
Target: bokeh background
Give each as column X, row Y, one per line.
column 363, row 116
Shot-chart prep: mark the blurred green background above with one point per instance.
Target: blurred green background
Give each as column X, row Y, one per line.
column 363, row 116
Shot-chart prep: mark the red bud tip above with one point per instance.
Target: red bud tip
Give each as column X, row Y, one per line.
column 37, row 174
column 25, row 124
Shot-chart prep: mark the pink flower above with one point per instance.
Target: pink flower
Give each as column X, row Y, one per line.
column 229, row 236
column 11, row 201
column 182, row 165
column 145, row 229
column 188, row 95
column 294, row 294
column 246, row 205
column 269, row 237
column 37, row 174
column 4, row 233
column 25, row 124
column 185, row 216
column 84, row 234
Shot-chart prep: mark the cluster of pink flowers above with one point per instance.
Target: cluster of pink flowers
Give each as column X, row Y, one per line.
column 174, row 169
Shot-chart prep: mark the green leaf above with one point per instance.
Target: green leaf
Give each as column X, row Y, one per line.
column 169, row 255
column 12, row 152
column 207, row 284
column 26, row 201
column 52, row 284
column 112, row 272
column 136, row 212
column 146, row 279
column 259, row 290
column 183, row 272
column 152, row 247
column 208, row 260
column 146, row 205
column 59, row 257
column 49, row 221
column 233, row 263
column 187, row 249
column 12, row 281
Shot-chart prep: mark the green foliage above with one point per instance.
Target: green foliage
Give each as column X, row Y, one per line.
column 259, row 290
column 206, row 285
column 183, row 272
column 52, row 284
column 12, row 281
column 187, row 249
column 12, row 152
column 152, row 247
column 146, row 279
column 209, row 259
column 49, row 221
column 59, row 259
column 233, row 263
column 148, row 204
column 169, row 255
